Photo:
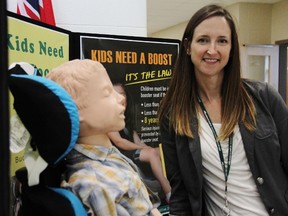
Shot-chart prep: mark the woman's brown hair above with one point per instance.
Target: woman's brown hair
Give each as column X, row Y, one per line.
column 179, row 103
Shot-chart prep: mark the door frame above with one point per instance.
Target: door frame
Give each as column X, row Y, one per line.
column 262, row 50
column 283, row 81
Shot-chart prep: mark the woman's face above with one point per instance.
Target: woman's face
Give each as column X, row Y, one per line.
column 210, row 47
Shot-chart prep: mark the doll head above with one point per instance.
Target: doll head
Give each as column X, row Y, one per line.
column 101, row 108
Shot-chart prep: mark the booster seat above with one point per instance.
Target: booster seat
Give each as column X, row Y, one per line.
column 49, row 114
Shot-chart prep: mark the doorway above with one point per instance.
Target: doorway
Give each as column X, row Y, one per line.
column 261, row 62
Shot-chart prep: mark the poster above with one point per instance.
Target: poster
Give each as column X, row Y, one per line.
column 42, row 46
column 144, row 67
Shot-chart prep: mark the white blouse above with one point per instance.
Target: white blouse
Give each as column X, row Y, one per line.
column 243, row 196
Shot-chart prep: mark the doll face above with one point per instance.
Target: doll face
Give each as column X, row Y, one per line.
column 119, row 88
column 104, row 111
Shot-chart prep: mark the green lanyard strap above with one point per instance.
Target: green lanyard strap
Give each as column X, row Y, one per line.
column 226, row 169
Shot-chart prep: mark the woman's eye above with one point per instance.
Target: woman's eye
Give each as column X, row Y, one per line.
column 223, row 41
column 202, row 40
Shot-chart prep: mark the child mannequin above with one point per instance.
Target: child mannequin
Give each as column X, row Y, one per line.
column 106, row 181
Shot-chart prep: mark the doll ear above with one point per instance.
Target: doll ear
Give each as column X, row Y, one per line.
column 47, row 111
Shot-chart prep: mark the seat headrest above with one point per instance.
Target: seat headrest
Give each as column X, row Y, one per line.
column 47, row 111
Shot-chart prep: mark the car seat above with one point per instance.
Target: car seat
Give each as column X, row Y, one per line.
column 51, row 117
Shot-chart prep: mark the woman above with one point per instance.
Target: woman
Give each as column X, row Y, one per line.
column 130, row 144
column 224, row 138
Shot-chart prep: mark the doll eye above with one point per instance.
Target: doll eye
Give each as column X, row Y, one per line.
column 107, row 91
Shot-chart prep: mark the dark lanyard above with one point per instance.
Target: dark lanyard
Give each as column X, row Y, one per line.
column 226, row 169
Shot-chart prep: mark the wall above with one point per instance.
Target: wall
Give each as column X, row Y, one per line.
column 174, row 32
column 103, row 17
column 254, row 20
column 257, row 23
column 254, row 23
column 279, row 30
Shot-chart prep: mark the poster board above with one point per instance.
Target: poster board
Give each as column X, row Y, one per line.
column 144, row 66
column 38, row 44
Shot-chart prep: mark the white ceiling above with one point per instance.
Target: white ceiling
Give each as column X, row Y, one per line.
column 162, row 14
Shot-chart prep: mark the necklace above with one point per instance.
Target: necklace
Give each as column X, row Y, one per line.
column 226, row 168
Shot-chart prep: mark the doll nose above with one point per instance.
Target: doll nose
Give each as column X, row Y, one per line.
column 122, row 99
